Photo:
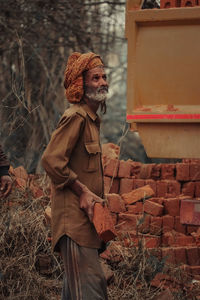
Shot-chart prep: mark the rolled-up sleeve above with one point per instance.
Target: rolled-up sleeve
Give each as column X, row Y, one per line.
column 56, row 157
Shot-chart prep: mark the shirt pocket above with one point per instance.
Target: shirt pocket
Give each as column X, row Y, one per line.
column 92, row 162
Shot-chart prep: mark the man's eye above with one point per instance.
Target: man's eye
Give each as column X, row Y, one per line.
column 96, row 78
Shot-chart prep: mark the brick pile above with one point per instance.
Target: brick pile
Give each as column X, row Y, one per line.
column 144, row 200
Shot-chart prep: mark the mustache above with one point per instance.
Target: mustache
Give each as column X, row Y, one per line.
column 102, row 88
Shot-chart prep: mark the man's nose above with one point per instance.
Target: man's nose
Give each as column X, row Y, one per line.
column 103, row 82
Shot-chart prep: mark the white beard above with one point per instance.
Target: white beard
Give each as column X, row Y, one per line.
column 99, row 95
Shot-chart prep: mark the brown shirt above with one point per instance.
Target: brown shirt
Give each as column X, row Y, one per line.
column 74, row 152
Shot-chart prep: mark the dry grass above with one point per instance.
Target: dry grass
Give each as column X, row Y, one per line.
column 24, row 249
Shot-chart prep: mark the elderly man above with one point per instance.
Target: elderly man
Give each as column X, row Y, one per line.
column 5, row 179
column 72, row 159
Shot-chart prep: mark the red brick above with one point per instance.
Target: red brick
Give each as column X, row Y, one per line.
column 135, row 170
column 167, row 171
column 172, row 206
column 188, row 189
column 143, row 223
column 168, row 223
column 114, row 186
column 195, row 172
column 114, row 218
column 111, row 168
column 138, row 194
column 158, row 200
column 191, row 228
column 136, row 208
column 182, row 172
column 173, row 188
column 169, row 254
column 103, row 223
column 107, row 184
column 137, row 183
column 126, row 185
column 188, row 3
column 161, row 188
column 124, row 169
column 127, row 222
column 169, row 238
column 193, row 257
column 185, row 240
column 197, row 189
column 153, row 208
column 146, row 170
column 156, row 171
column 115, row 203
column 155, row 225
column 151, row 183
column 178, row 226
column 180, row 255
column 152, row 241
column 195, row 270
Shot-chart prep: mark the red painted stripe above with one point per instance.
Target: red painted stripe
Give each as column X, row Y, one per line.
column 164, row 116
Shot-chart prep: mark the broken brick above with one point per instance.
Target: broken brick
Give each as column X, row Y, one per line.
column 115, row 203
column 103, row 223
column 127, row 222
column 153, row 208
column 138, row 194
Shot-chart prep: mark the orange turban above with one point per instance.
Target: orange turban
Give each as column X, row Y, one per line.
column 78, row 63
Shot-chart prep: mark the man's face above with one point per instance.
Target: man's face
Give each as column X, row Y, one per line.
column 96, row 86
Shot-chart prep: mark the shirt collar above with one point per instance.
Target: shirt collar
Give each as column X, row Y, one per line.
column 90, row 113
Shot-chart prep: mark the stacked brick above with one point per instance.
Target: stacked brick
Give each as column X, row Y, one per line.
column 144, row 200
column 178, row 3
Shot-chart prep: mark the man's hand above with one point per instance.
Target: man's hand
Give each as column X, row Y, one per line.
column 86, row 197
column 5, row 185
column 87, row 202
